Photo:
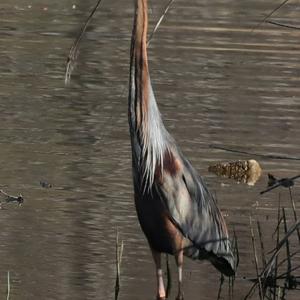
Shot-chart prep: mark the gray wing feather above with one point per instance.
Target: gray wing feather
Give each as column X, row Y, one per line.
column 194, row 211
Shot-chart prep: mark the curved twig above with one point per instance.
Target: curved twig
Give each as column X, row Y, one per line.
column 74, row 49
column 159, row 21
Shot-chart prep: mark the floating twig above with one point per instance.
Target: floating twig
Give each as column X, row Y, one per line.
column 74, row 49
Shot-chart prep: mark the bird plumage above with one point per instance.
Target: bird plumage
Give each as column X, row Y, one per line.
column 174, row 206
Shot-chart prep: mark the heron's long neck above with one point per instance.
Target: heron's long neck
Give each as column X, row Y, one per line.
column 148, row 135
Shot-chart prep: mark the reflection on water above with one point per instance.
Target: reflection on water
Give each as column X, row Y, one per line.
column 215, row 82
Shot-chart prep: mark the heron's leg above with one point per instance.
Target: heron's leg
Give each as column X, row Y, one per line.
column 161, row 293
column 179, row 262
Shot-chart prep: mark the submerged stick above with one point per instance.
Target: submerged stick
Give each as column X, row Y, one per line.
column 74, row 49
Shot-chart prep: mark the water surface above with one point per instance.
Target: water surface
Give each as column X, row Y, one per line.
column 216, row 82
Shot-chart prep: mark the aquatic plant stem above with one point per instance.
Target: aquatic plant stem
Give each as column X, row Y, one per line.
column 294, row 212
column 74, row 49
column 119, row 254
column 283, row 25
column 159, row 21
column 8, row 285
column 270, row 14
column 256, row 260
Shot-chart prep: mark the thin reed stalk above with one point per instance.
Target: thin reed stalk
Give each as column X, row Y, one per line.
column 277, row 242
column 294, row 212
column 75, row 47
column 119, row 254
column 256, row 260
column 288, row 253
column 283, row 25
column 159, row 21
column 262, row 248
column 270, row 14
column 8, row 286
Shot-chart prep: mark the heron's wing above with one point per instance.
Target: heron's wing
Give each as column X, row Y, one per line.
column 194, row 211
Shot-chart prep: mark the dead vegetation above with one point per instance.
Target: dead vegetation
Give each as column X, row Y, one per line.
column 276, row 270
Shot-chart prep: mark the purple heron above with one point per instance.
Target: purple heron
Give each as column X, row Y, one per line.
column 176, row 211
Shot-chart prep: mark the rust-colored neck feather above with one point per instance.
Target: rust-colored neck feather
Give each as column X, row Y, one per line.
column 139, row 61
column 149, row 138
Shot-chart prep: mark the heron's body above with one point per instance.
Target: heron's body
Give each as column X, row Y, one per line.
column 175, row 209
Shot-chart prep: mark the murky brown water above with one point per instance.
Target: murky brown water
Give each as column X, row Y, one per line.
column 216, row 83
